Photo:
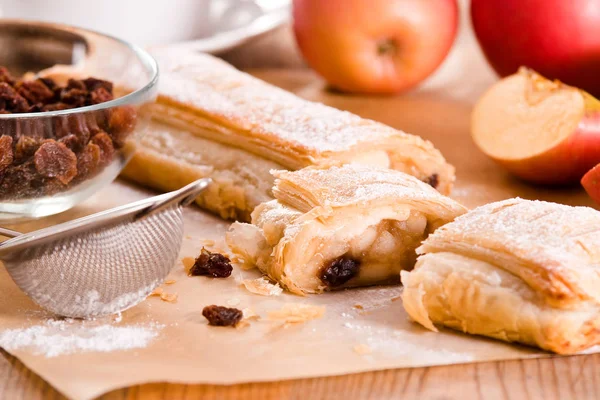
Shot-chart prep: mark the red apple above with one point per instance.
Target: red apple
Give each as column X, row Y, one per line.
column 540, row 130
column 560, row 39
column 375, row 46
column 591, row 183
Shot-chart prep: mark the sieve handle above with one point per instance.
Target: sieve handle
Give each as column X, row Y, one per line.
column 181, row 197
column 9, row 233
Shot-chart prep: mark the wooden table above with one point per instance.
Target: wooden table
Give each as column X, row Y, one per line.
column 551, row 378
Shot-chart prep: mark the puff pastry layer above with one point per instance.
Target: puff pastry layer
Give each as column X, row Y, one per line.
column 216, row 111
column 517, row 270
column 340, row 227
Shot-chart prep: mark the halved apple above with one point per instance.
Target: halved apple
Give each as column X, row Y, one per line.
column 540, row 130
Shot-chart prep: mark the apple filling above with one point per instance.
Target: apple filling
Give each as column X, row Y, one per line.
column 376, row 255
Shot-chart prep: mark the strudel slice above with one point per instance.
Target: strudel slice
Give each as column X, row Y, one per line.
column 517, row 270
column 340, row 227
column 213, row 120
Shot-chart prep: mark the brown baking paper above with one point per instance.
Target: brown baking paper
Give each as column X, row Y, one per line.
column 361, row 330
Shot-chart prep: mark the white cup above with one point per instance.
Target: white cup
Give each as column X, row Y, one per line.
column 144, row 22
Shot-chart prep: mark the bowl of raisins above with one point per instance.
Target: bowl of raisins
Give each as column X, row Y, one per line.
column 71, row 112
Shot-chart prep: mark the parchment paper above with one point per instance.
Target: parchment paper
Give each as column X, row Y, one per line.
column 187, row 350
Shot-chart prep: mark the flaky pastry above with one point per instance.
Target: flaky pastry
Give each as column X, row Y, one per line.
column 516, row 270
column 340, row 227
column 212, row 120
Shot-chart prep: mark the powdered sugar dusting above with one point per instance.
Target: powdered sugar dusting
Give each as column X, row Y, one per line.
column 92, row 304
column 59, row 337
column 544, row 236
column 217, row 88
column 357, row 184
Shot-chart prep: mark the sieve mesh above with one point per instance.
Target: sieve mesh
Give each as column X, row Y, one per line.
column 100, row 271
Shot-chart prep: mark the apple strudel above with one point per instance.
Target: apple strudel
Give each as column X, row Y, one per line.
column 517, row 270
column 212, row 120
column 340, row 227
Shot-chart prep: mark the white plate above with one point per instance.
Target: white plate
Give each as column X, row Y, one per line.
column 223, row 41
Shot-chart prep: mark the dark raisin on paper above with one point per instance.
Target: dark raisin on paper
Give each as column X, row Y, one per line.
column 211, row 264
column 339, row 271
column 433, row 180
column 222, row 316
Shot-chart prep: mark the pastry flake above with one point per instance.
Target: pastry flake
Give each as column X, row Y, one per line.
column 340, row 227
column 213, row 120
column 262, row 287
column 293, row 313
column 517, row 270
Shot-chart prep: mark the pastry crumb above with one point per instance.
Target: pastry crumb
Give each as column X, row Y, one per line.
column 156, row 292
column 396, row 298
column 234, row 301
column 208, row 242
column 362, row 349
column 262, row 287
column 292, row 313
column 249, row 314
column 358, row 307
column 242, row 324
column 188, row 263
column 170, row 282
column 169, row 297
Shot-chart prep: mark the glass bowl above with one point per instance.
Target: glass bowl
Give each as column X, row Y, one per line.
column 52, row 160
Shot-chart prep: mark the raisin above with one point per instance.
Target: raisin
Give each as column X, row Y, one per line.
column 12, row 101
column 121, row 124
column 20, row 105
column 433, row 180
column 88, row 161
column 49, row 82
column 55, row 160
column 35, row 108
column 100, row 95
column 35, row 92
column 21, row 181
column 71, row 141
column 106, row 147
column 92, row 84
column 26, row 147
column 75, row 84
column 75, row 124
column 340, row 271
column 222, row 316
column 6, row 152
column 56, row 107
column 6, row 77
column 211, row 264
column 74, row 97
